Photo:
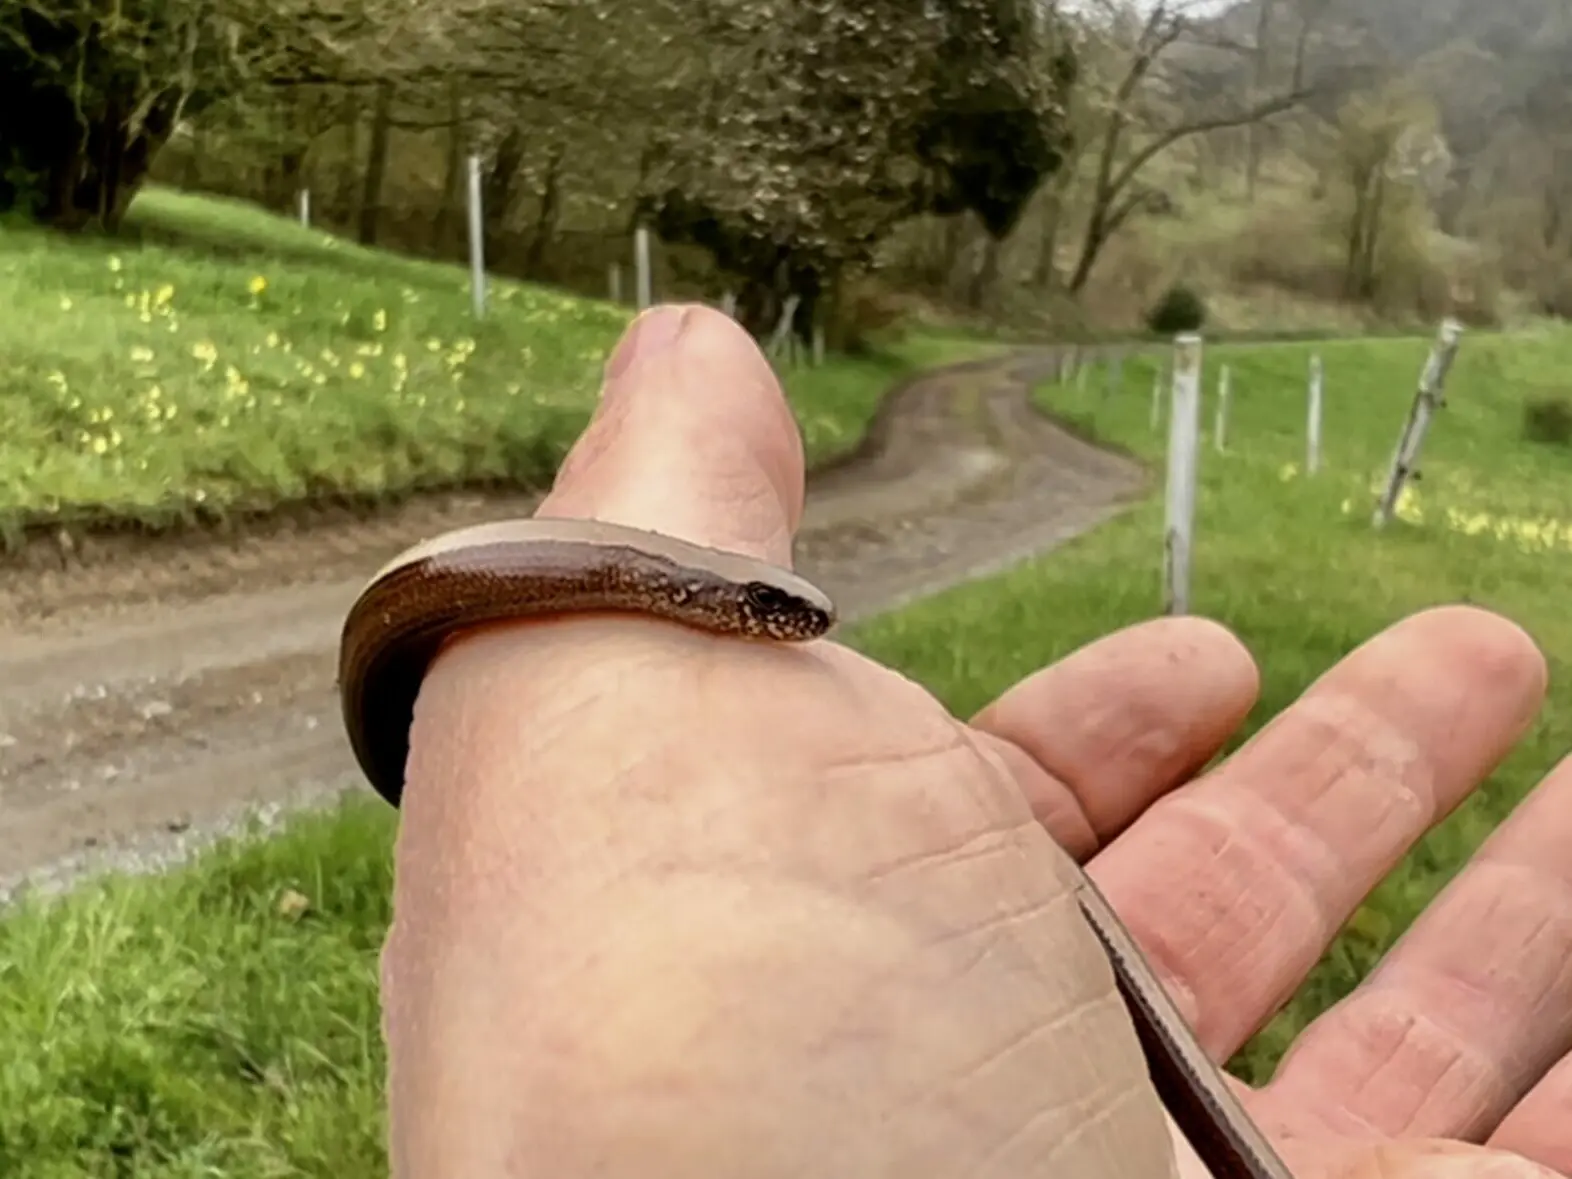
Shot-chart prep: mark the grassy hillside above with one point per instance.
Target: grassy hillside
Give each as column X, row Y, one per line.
column 225, row 359
column 223, row 1019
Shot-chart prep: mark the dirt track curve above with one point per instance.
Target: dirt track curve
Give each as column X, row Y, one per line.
column 153, row 692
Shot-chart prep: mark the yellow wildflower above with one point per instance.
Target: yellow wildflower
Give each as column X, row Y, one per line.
column 257, row 285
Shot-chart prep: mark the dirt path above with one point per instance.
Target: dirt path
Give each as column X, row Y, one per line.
column 152, row 692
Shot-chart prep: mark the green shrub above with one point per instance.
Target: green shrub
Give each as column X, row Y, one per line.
column 1181, row 309
column 1548, row 420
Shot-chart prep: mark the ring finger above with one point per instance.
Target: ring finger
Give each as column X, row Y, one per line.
column 1467, row 1014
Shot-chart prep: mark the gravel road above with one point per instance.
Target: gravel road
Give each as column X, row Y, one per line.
column 156, row 691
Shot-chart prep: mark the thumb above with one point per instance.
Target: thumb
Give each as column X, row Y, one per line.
column 693, row 438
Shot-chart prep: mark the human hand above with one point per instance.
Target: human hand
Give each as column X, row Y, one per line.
column 669, row 904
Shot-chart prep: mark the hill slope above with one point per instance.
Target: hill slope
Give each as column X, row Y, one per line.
column 221, row 359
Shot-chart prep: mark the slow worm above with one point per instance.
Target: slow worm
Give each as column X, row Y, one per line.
column 524, row 568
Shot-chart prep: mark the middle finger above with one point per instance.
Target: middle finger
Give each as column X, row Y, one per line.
column 1234, row 884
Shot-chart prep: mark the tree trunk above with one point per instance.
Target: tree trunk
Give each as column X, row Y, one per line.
column 1374, row 218
column 349, row 171
column 1047, row 268
column 444, row 227
column 497, row 188
column 954, row 248
column 546, row 218
column 986, row 274
column 1355, row 238
column 376, row 166
column 1097, row 233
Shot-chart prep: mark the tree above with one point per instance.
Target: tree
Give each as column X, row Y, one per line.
column 1391, row 155
column 89, row 92
column 1139, row 113
column 827, row 122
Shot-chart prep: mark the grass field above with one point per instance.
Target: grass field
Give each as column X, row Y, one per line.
column 223, row 1019
column 225, row 359
column 1292, row 565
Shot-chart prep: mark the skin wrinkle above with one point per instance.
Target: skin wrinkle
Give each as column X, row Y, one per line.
column 1343, row 742
column 1266, row 827
column 1559, row 902
column 992, row 929
column 751, row 508
column 954, row 744
column 1263, row 840
column 995, row 1055
column 979, row 845
column 1053, row 804
column 1084, row 1115
column 1387, row 1042
column 1469, row 988
column 1064, row 1107
column 1181, row 950
column 1434, row 1043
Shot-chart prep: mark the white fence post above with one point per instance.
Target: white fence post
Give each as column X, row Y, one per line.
column 1220, row 426
column 614, row 282
column 1427, row 399
column 729, row 303
column 1184, row 432
column 1313, row 411
column 303, row 207
column 641, row 267
column 477, row 240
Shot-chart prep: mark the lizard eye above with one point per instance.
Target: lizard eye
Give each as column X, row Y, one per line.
column 767, row 598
